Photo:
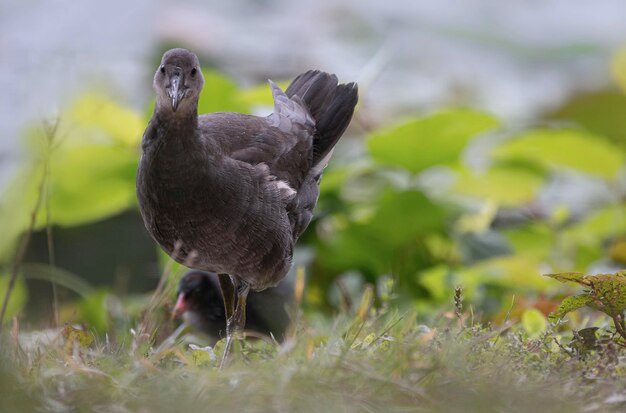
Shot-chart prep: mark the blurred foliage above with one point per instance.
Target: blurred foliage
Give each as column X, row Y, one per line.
column 450, row 198
column 425, row 142
column 18, row 297
column 564, row 148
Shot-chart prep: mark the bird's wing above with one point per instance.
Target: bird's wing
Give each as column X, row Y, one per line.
column 283, row 141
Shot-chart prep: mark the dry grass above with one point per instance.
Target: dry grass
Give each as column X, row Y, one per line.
column 372, row 361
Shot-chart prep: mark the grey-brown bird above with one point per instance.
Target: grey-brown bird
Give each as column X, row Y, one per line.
column 231, row 193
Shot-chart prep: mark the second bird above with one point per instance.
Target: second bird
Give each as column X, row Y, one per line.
column 231, row 193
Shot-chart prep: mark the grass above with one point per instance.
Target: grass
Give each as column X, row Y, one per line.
column 370, row 361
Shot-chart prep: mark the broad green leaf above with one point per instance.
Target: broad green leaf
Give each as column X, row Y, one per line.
column 220, row 94
column 383, row 238
column 422, row 143
column 570, row 304
column 565, row 148
column 515, row 272
column 534, row 322
column 90, row 183
column 534, row 240
column 357, row 247
column 600, row 112
column 506, row 186
column 16, row 205
column 437, row 280
column 402, row 216
column 18, row 298
column 594, row 229
column 94, row 312
column 479, row 221
column 121, row 124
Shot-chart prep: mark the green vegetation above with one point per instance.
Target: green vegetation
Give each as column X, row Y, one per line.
column 438, row 201
column 374, row 360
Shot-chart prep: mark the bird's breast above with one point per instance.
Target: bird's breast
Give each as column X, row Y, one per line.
column 228, row 221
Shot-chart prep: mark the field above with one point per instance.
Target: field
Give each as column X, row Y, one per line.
column 461, row 258
column 371, row 361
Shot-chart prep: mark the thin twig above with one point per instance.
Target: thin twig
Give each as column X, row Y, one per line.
column 21, row 250
column 50, row 130
column 506, row 318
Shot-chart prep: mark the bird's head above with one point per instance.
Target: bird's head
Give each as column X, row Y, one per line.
column 178, row 82
column 196, row 290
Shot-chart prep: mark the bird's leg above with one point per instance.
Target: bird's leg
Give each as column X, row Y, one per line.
column 235, row 310
column 228, row 294
column 239, row 318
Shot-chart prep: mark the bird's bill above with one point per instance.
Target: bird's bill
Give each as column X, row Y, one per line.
column 176, row 90
column 181, row 306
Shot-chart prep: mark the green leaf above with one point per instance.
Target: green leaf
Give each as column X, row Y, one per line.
column 534, row 240
column 610, row 289
column 600, row 112
column 390, row 234
column 402, row 216
column 514, row 272
column 598, row 226
column 356, row 247
column 202, row 356
column 570, row 304
column 506, row 186
column 576, row 277
column 121, row 124
column 437, row 281
column 94, row 312
column 16, row 204
column 90, row 183
column 534, row 323
column 607, row 293
column 565, row 148
column 220, row 94
column 73, row 335
column 18, row 298
column 422, row 143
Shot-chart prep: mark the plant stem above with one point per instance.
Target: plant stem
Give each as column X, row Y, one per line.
column 21, row 250
column 50, row 131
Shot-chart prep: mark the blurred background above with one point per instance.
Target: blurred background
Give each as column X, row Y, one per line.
column 488, row 147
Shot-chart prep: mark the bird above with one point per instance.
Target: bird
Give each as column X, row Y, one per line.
column 231, row 193
column 199, row 302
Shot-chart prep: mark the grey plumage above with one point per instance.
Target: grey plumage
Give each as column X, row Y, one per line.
column 236, row 191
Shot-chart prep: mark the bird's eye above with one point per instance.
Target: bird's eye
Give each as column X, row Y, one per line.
column 193, row 71
column 162, row 69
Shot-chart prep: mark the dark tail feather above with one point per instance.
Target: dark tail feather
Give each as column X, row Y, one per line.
column 330, row 104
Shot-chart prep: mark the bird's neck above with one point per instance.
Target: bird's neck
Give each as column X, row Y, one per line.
column 182, row 121
column 172, row 135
